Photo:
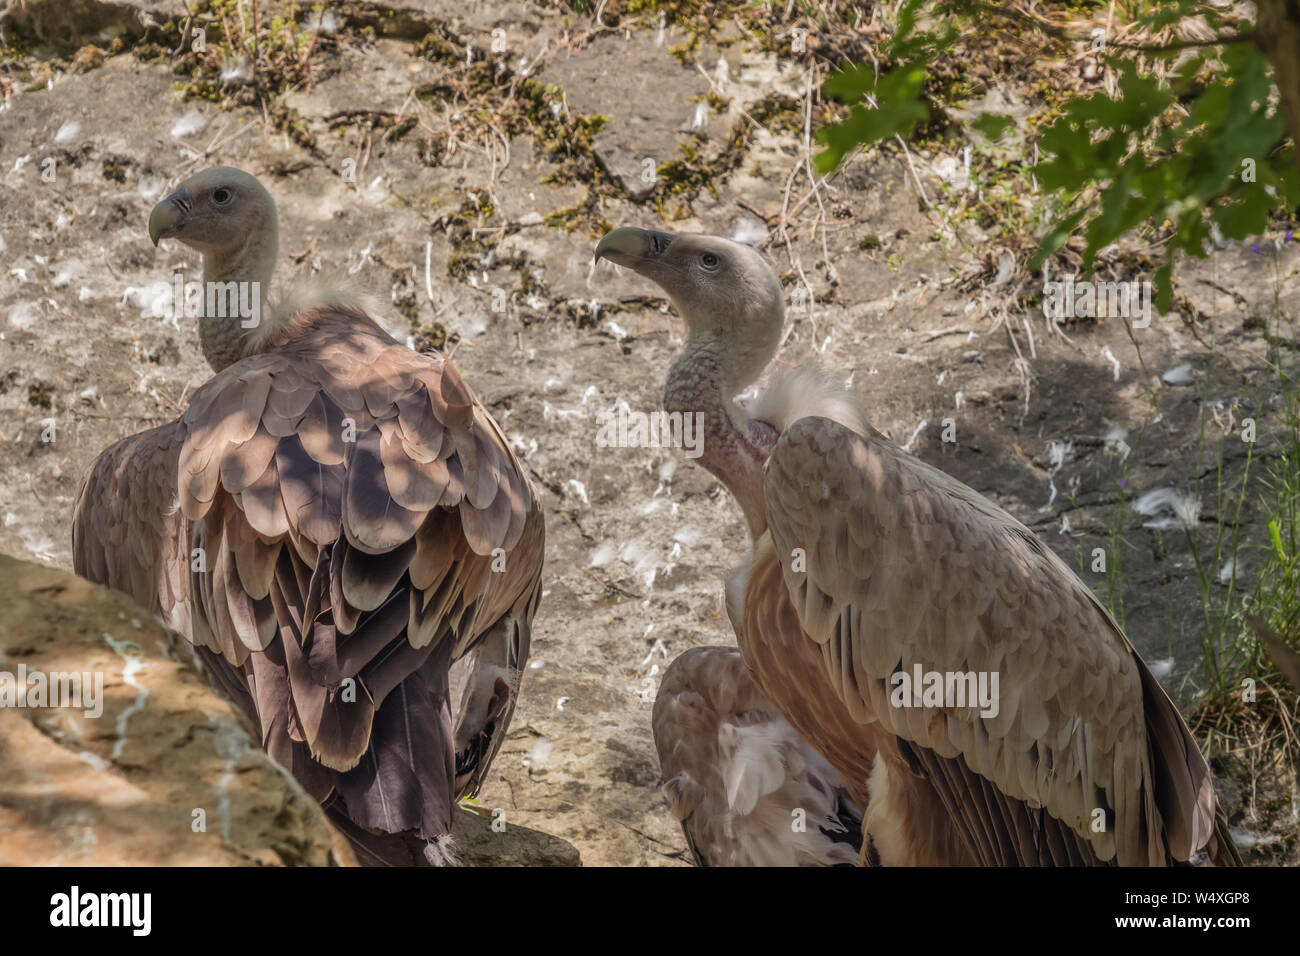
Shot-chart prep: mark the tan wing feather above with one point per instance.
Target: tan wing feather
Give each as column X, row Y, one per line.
column 907, row 566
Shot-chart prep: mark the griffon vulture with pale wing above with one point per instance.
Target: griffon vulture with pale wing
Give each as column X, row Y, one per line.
column 338, row 526
column 868, row 564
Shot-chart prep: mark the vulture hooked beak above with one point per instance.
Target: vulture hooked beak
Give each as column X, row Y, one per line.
column 634, row 248
column 169, row 215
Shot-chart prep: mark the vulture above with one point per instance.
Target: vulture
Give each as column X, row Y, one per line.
column 746, row 788
column 339, row 528
column 872, row 576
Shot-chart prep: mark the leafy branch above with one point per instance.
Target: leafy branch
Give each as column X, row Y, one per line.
column 1200, row 154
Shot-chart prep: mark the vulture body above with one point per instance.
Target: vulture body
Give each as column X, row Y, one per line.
column 868, row 564
column 343, row 533
column 747, row 789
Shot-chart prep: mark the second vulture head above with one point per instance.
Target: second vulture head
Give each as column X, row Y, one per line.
column 719, row 287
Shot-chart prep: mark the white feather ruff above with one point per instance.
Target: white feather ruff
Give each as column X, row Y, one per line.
column 805, row 392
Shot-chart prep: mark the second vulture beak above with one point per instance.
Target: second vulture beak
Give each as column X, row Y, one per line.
column 169, row 215
column 627, row 246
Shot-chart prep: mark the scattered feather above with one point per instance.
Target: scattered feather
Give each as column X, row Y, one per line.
column 579, row 489
column 188, row 125
column 540, row 752
column 749, row 232
column 1161, row 668
column 637, row 555
column 323, row 21
column 237, row 72
column 150, row 186
column 1183, row 510
column 1229, row 571
column 1109, row 356
column 1115, row 442
column 23, row 315
column 605, row 552
column 688, row 535
column 907, row 446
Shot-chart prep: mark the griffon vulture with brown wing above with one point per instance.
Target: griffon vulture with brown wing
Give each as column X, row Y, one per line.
column 338, row 526
column 868, row 565
column 747, row 789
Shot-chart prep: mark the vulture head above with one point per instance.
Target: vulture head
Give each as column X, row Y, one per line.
column 229, row 217
column 723, row 290
column 731, row 300
column 222, row 212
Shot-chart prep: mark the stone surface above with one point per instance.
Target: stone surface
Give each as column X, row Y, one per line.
column 478, row 844
column 164, row 775
column 117, row 779
column 74, row 22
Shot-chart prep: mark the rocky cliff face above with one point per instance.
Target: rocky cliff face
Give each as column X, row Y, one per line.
column 140, row 763
column 115, row 752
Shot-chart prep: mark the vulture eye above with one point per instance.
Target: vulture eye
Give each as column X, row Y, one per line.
column 709, row 260
column 222, row 196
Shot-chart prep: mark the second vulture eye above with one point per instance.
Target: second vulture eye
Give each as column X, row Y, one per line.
column 222, row 196
column 709, row 260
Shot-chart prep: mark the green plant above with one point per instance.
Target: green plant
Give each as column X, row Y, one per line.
column 1190, row 152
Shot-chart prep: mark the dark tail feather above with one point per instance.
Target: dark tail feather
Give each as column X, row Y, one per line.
column 405, row 780
column 376, row 849
column 485, row 685
column 1221, row 850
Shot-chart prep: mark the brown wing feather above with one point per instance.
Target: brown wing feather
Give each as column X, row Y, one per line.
column 127, row 532
column 362, row 524
column 906, row 566
column 735, row 771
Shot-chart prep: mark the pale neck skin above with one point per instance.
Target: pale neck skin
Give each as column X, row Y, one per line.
column 712, row 369
column 222, row 338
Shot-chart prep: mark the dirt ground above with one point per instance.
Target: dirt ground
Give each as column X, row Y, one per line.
column 440, row 213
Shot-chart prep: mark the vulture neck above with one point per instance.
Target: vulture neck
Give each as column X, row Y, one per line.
column 222, row 335
column 710, row 372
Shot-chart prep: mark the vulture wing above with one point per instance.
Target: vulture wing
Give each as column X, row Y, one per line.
column 351, row 522
column 128, row 532
column 736, row 772
column 1085, row 760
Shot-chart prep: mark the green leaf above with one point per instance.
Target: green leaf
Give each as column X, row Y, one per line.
column 899, row 108
column 1275, row 535
column 1057, row 237
column 993, row 125
column 1244, row 218
column 851, row 84
column 1164, row 280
